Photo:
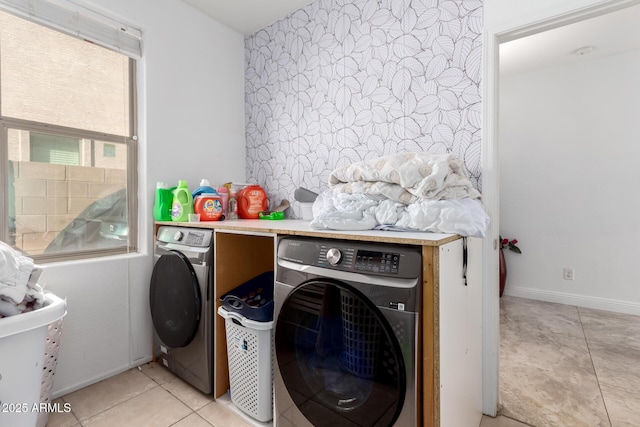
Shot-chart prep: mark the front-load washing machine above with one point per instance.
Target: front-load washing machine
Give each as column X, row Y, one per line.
column 180, row 300
column 346, row 333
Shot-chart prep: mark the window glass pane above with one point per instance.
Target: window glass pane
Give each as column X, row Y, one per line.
column 109, row 150
column 110, row 155
column 54, row 149
column 58, row 208
column 49, row 77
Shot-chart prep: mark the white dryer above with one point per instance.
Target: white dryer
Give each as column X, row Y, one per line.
column 180, row 296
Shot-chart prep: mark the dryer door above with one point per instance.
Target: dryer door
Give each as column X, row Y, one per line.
column 338, row 357
column 175, row 299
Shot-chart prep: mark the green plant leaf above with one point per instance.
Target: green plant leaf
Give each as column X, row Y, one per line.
column 515, row 249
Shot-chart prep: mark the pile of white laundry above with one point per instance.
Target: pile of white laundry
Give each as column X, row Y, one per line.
column 410, row 191
column 19, row 288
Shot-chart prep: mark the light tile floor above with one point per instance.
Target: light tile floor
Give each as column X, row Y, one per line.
column 146, row 396
column 152, row 396
column 563, row 365
column 559, row 366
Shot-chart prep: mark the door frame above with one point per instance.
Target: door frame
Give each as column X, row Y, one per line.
column 492, row 38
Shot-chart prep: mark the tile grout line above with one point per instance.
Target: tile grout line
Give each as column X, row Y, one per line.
column 188, row 415
column 595, row 372
column 72, row 412
column 176, row 397
column 183, row 418
column 82, row 422
column 193, row 411
column 587, row 344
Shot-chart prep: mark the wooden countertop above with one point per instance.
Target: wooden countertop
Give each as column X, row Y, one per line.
column 298, row 227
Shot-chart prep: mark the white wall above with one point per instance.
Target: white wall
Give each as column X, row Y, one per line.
column 500, row 15
column 191, row 125
column 569, row 177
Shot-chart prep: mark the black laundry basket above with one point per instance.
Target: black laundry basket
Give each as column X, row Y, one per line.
column 252, row 299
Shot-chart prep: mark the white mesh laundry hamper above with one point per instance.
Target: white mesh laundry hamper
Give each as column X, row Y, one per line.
column 49, row 368
column 23, row 344
column 250, row 368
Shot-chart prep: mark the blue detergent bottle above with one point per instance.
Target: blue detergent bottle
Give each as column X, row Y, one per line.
column 205, row 188
column 182, row 203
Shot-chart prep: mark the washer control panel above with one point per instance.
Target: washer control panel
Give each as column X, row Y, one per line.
column 335, row 256
column 377, row 262
column 359, row 259
column 352, row 258
column 378, row 259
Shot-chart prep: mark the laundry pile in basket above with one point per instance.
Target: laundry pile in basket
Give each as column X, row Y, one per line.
column 19, row 288
column 411, row 191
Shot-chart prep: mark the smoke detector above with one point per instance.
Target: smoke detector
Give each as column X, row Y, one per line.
column 586, row 50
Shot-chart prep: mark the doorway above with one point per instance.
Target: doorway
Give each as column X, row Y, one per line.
column 493, row 169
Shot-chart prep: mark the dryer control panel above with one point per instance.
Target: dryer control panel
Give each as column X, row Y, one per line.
column 185, row 236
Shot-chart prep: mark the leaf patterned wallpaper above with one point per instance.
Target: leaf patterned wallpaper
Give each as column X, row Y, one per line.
column 340, row 81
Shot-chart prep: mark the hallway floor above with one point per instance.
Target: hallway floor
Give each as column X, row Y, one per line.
column 563, row 365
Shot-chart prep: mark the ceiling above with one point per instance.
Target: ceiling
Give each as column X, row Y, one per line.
column 247, row 16
column 608, row 34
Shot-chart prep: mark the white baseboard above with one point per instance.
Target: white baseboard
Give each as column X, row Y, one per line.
column 574, row 299
column 82, row 384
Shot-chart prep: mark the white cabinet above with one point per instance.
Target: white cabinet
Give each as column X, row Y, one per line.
column 460, row 306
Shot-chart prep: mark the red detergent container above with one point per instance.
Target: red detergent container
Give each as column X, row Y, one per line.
column 251, row 200
column 209, row 206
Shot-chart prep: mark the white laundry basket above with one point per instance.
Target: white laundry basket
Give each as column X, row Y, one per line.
column 23, row 341
column 250, row 369
column 52, row 345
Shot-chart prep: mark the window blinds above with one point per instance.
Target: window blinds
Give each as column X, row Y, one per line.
column 78, row 21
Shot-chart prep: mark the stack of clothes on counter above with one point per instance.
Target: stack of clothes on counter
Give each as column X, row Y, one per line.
column 19, row 288
column 411, row 192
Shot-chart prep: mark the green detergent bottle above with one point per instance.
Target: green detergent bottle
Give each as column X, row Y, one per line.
column 182, row 203
column 162, row 205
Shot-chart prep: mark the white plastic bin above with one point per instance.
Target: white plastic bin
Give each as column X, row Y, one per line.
column 22, row 351
column 250, row 368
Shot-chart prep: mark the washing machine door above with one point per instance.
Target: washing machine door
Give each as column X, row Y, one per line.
column 175, row 299
column 338, row 357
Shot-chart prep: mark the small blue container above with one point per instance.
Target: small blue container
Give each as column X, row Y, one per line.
column 252, row 299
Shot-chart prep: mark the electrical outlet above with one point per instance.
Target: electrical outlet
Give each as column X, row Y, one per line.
column 568, row 273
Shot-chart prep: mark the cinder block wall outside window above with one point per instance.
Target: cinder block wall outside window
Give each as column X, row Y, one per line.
column 48, row 197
